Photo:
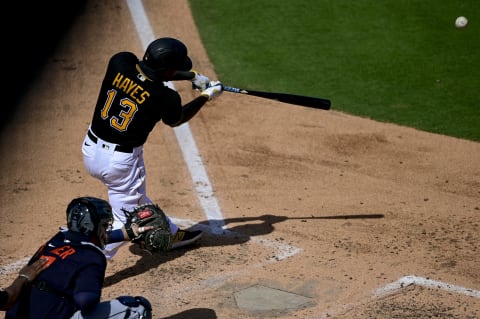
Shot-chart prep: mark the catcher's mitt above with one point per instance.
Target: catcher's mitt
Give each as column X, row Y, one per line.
column 157, row 239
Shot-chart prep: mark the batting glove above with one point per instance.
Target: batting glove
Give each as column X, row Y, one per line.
column 200, row 81
column 215, row 88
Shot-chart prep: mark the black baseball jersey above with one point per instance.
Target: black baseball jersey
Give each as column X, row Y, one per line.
column 129, row 104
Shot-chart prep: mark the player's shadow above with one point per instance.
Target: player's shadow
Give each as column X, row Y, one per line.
column 230, row 231
column 204, row 313
column 238, row 230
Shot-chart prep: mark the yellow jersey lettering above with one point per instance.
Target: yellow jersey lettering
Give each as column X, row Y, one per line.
column 133, row 86
column 135, row 91
column 124, row 85
column 143, row 97
column 117, row 80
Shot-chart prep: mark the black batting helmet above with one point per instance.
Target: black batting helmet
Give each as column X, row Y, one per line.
column 166, row 54
column 90, row 216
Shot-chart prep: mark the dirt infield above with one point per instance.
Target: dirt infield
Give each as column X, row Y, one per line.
column 350, row 217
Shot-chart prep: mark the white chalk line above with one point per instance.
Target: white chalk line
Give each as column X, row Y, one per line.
column 425, row 282
column 280, row 250
column 13, row 267
column 397, row 287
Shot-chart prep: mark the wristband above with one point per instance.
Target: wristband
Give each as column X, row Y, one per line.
column 25, row 276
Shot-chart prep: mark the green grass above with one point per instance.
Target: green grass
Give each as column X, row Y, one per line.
column 399, row 61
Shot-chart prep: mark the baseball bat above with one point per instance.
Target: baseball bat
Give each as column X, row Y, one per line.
column 308, row 101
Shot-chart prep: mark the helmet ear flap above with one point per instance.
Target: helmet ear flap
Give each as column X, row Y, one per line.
column 80, row 217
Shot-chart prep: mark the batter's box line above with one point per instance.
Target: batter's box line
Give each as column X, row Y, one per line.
column 281, row 250
column 425, row 282
column 397, row 287
column 13, row 267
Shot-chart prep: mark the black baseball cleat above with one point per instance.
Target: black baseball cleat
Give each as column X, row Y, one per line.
column 185, row 237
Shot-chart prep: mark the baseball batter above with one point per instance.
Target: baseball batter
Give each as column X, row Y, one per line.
column 132, row 99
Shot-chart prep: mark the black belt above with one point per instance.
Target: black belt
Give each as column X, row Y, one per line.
column 118, row 148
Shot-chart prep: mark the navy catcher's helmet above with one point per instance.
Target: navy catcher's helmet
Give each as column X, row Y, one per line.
column 90, row 216
column 165, row 54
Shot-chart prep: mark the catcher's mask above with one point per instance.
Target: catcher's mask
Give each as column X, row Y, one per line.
column 165, row 54
column 90, row 216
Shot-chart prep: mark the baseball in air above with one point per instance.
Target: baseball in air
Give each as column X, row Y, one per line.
column 461, row 22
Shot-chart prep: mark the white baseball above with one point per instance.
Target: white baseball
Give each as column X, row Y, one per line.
column 461, row 22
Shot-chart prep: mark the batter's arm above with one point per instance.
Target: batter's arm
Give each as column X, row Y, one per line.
column 199, row 81
column 183, row 75
column 190, row 109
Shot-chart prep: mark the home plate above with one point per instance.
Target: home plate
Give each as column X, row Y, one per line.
column 258, row 298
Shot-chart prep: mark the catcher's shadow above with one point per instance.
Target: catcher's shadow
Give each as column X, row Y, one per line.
column 231, row 231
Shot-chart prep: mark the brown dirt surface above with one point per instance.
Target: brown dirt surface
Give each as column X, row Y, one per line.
column 363, row 219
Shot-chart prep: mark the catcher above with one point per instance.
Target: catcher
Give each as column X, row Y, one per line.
column 72, row 284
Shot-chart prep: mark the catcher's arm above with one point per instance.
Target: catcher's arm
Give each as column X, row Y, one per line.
column 119, row 235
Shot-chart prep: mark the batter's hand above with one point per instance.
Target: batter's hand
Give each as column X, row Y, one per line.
column 200, row 81
column 215, row 89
